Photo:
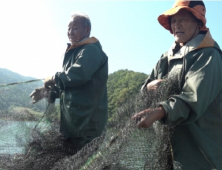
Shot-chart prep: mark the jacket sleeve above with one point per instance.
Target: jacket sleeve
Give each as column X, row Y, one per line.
column 89, row 61
column 203, row 82
column 149, row 79
column 156, row 73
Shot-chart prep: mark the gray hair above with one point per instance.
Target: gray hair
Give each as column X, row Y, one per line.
column 84, row 18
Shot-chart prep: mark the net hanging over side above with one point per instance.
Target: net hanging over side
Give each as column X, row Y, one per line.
column 19, row 116
column 37, row 143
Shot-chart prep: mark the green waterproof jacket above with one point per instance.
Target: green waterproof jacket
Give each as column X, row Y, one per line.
column 83, row 91
column 197, row 110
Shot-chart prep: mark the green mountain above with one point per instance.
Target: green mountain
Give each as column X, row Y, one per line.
column 122, row 85
column 17, row 95
column 7, row 76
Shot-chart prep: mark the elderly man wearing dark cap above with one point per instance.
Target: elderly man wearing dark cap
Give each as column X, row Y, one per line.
column 197, row 110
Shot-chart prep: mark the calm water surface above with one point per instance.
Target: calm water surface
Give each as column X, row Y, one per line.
column 15, row 135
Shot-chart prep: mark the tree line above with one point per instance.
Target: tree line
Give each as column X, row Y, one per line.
column 121, row 85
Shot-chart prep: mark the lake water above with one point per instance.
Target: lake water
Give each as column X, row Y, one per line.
column 14, row 136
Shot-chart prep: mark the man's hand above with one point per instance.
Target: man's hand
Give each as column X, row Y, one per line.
column 49, row 82
column 153, row 85
column 39, row 94
column 147, row 117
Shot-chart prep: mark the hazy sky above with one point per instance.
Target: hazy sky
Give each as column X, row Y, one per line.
column 33, row 33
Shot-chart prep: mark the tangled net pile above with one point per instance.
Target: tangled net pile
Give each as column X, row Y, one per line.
column 121, row 147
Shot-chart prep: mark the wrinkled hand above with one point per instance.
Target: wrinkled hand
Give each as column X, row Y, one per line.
column 49, row 82
column 147, row 117
column 39, row 94
column 153, row 85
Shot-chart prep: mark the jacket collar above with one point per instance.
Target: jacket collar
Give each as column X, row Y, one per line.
column 208, row 41
column 198, row 42
column 81, row 43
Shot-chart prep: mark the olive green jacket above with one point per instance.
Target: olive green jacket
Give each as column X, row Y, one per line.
column 197, row 110
column 83, row 91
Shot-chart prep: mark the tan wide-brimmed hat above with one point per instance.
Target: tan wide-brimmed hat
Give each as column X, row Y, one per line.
column 197, row 8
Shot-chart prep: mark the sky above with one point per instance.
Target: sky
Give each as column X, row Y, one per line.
column 33, row 33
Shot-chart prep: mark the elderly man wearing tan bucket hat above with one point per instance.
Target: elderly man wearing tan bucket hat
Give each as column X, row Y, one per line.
column 197, row 110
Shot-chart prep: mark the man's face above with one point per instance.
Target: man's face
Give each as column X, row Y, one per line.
column 184, row 26
column 76, row 30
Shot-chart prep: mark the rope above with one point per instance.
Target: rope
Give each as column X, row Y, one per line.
column 29, row 81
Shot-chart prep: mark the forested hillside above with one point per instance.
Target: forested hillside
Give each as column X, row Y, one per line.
column 16, row 95
column 122, row 85
column 7, row 76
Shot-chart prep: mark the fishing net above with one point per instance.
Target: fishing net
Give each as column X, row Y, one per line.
column 121, row 147
column 22, row 122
